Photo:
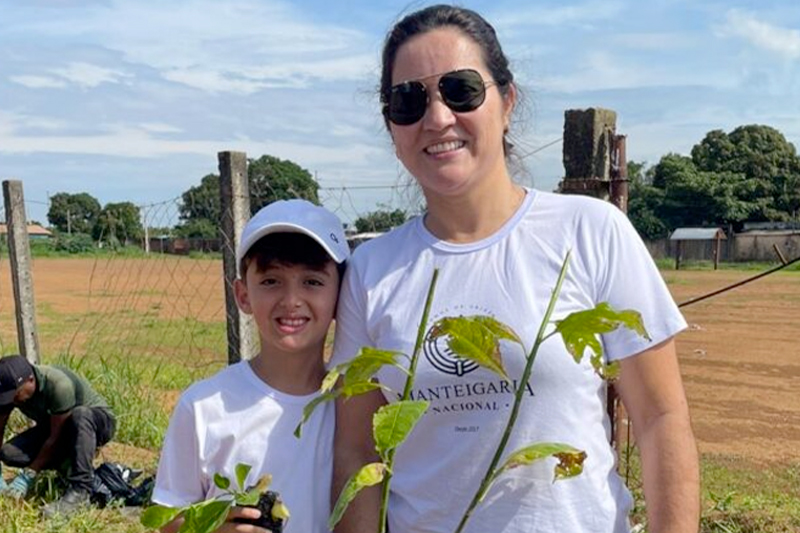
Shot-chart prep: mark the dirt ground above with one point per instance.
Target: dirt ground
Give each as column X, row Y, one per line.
column 740, row 358
column 741, row 363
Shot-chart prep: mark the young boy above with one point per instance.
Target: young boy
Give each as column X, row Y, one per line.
column 290, row 259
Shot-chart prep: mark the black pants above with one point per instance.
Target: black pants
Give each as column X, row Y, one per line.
column 86, row 429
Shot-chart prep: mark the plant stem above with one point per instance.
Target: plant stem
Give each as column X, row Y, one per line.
column 490, row 475
column 406, row 393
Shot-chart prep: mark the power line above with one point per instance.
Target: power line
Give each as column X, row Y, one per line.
column 351, row 187
column 540, row 148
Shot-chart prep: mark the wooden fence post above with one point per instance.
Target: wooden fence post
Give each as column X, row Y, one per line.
column 19, row 252
column 595, row 164
column 235, row 204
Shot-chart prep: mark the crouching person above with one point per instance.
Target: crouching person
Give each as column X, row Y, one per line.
column 72, row 422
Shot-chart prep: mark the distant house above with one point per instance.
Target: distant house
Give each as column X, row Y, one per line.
column 35, row 232
column 708, row 239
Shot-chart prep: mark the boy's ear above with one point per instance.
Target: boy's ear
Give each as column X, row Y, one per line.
column 242, row 297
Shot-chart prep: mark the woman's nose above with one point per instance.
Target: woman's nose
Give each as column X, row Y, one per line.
column 438, row 116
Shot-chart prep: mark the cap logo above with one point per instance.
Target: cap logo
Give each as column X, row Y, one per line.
column 334, row 238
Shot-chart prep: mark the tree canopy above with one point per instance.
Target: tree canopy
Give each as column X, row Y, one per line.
column 751, row 174
column 380, row 220
column 73, row 213
column 269, row 179
column 118, row 223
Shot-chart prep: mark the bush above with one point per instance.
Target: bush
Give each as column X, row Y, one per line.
column 74, row 244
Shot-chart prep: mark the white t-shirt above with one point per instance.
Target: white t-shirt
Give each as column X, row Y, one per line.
column 509, row 276
column 234, row 417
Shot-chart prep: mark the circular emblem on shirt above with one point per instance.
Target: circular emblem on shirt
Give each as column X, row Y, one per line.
column 444, row 360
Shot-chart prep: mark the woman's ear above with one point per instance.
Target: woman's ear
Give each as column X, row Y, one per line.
column 509, row 102
column 242, row 297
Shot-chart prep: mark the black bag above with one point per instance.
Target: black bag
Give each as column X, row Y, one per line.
column 113, row 481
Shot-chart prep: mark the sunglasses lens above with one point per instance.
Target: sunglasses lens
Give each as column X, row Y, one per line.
column 407, row 103
column 462, row 90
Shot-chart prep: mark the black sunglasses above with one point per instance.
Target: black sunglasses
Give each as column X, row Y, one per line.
column 462, row 91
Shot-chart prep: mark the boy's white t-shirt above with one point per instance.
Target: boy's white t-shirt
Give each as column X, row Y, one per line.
column 509, row 276
column 234, row 417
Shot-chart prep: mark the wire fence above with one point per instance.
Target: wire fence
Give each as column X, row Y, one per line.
column 160, row 301
column 161, row 304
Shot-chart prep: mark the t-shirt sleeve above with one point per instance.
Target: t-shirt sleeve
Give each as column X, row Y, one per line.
column 627, row 278
column 351, row 318
column 179, row 480
column 61, row 397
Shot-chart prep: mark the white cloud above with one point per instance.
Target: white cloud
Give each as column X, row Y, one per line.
column 126, row 141
column 655, row 41
column 83, row 75
column 87, row 76
column 218, row 82
column 585, row 14
column 38, row 82
column 239, row 46
column 782, row 41
column 159, row 127
column 599, row 71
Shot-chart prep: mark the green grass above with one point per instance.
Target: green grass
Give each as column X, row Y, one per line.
column 25, row 517
column 667, row 264
column 738, row 496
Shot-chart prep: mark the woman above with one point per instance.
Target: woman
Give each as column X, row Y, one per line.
column 448, row 98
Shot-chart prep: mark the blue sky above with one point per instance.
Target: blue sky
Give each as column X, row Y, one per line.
column 130, row 100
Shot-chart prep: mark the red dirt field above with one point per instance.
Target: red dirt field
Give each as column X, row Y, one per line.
column 741, row 363
column 740, row 357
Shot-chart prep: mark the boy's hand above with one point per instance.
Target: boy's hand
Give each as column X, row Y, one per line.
column 242, row 512
column 20, row 485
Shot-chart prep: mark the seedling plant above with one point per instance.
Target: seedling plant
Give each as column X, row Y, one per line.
column 476, row 338
column 207, row 516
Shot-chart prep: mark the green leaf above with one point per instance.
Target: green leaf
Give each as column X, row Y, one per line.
column 570, row 459
column 241, row 474
column 356, row 389
column 347, row 391
column 367, row 362
column 580, row 331
column 367, row 476
column 476, row 338
column 248, row 498
column 206, row 517
column 157, row 516
column 222, row 482
column 392, row 423
column 309, row 409
column 329, row 381
column 499, row 329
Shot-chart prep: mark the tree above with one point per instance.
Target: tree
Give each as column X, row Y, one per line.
column 764, row 164
column 751, row 174
column 200, row 209
column 269, row 179
column 118, row 223
column 73, row 213
column 644, row 200
column 273, row 179
column 380, row 220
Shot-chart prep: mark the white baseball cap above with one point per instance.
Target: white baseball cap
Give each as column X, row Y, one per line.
column 296, row 216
